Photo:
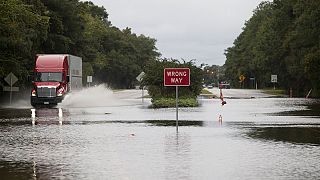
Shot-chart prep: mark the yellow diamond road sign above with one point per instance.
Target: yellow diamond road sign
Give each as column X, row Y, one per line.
column 242, row 78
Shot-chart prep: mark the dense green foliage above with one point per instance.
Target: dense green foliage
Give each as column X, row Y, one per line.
column 213, row 75
column 153, row 79
column 30, row 27
column 283, row 38
column 171, row 102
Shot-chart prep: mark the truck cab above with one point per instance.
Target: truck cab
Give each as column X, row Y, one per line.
column 54, row 76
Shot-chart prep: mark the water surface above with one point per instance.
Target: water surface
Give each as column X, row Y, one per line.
column 128, row 140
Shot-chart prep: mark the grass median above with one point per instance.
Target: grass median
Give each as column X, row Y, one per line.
column 171, row 102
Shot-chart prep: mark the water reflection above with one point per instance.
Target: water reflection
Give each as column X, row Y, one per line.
column 311, row 110
column 14, row 113
column 177, row 156
column 13, row 170
column 299, row 135
column 46, row 116
column 173, row 123
column 16, row 170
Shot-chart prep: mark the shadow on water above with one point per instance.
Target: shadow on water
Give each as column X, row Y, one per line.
column 24, row 116
column 14, row 170
column 148, row 122
column 17, row 170
column 297, row 135
column 55, row 120
column 312, row 110
column 173, row 123
column 8, row 113
column 14, row 113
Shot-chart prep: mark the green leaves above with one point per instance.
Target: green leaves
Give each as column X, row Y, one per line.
column 30, row 27
column 277, row 39
column 21, row 33
column 154, row 79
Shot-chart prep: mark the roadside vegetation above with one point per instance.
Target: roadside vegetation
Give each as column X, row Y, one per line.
column 30, row 27
column 276, row 92
column 164, row 96
column 207, row 94
column 281, row 38
column 204, row 91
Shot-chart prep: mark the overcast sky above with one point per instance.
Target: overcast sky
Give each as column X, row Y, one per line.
column 188, row 29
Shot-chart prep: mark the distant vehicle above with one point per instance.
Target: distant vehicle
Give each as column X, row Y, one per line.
column 224, row 85
column 54, row 76
column 210, row 86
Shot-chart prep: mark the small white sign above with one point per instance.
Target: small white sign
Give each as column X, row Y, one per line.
column 89, row 79
column 274, row 78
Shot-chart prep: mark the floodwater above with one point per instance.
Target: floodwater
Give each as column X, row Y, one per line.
column 116, row 136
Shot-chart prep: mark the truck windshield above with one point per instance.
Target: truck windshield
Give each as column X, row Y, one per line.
column 48, row 77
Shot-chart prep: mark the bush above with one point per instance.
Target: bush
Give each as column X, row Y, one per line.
column 164, row 96
column 171, row 102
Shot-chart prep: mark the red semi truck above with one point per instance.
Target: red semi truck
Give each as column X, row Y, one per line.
column 54, row 76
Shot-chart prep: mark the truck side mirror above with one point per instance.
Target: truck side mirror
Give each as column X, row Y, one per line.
column 68, row 78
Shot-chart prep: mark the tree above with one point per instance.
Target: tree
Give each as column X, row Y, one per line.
column 22, row 30
column 280, row 38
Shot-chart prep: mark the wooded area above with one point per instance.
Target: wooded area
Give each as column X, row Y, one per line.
column 281, row 38
column 30, row 27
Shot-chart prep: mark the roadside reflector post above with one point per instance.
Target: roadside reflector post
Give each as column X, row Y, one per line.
column 11, row 79
column 33, row 116
column 176, row 77
column 60, row 114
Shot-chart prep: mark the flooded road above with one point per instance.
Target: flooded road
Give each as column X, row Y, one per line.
column 116, row 136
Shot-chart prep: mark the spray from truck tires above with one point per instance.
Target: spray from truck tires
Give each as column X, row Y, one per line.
column 96, row 96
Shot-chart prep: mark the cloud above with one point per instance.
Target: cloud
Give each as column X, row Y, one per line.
column 189, row 29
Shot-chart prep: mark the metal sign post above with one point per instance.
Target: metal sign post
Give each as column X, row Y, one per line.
column 140, row 78
column 11, row 79
column 142, row 94
column 176, row 77
column 177, row 107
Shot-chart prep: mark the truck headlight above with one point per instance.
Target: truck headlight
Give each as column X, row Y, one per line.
column 33, row 92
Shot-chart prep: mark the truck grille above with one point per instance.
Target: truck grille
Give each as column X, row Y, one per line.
column 46, row 92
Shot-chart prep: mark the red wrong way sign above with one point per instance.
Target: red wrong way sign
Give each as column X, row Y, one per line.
column 176, row 77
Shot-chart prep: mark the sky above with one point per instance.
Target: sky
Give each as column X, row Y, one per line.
column 184, row 29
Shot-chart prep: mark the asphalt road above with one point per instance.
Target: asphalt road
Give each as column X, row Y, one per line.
column 240, row 93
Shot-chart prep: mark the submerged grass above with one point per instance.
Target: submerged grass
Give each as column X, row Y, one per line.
column 171, row 102
column 275, row 92
column 207, row 94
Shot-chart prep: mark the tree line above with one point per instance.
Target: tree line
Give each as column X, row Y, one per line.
column 30, row 27
column 281, row 38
